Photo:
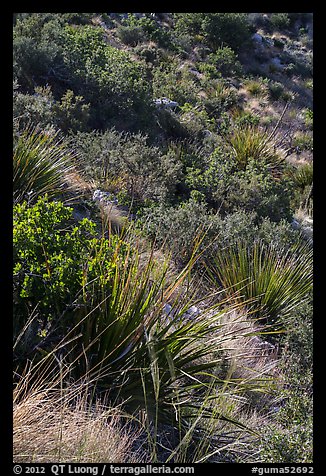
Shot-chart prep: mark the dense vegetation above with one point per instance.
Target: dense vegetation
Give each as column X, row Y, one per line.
column 163, row 210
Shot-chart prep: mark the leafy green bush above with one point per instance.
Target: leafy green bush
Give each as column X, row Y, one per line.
column 131, row 35
column 279, row 21
column 106, row 77
column 37, row 50
column 231, row 179
column 309, row 118
column 77, row 57
column 226, row 62
column 126, row 163
column 302, row 141
column 231, row 29
column 169, row 80
column 71, row 113
column 35, row 109
column 290, row 438
column 178, row 228
column 53, row 263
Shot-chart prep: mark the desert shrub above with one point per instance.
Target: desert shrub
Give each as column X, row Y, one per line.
column 255, row 189
column 275, row 90
column 126, row 163
column 196, row 120
column 78, row 18
column 245, row 119
column 290, row 438
column 131, row 35
column 146, row 28
column 279, row 21
column 38, row 51
column 71, row 113
column 178, row 227
column 231, row 29
column 41, row 108
column 220, row 97
column 52, row 264
column 302, row 141
column 34, row 108
column 117, row 82
column 226, row 62
column 256, row 183
column 33, row 60
column 309, row 118
column 150, row 53
column 175, row 83
column 77, row 57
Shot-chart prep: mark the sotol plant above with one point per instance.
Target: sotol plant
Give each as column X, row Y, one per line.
column 274, row 281
column 41, row 161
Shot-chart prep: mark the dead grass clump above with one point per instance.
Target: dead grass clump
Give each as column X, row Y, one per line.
column 251, row 357
column 47, row 428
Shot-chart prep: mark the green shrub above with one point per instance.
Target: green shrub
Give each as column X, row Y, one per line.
column 106, row 77
column 276, row 90
column 178, row 227
column 246, row 176
column 48, row 258
column 230, row 29
column 131, row 35
column 279, row 21
column 226, row 62
column 302, row 141
column 126, row 163
column 309, row 118
column 77, row 58
column 71, row 113
column 35, row 109
column 175, row 83
column 290, row 438
column 245, row 119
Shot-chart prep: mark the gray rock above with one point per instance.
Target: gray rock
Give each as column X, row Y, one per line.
column 165, row 103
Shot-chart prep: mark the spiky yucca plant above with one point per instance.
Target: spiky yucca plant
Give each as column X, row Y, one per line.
column 41, row 161
column 302, row 176
column 251, row 143
column 275, row 282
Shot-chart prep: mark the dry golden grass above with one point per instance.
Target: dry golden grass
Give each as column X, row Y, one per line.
column 251, row 357
column 49, row 427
